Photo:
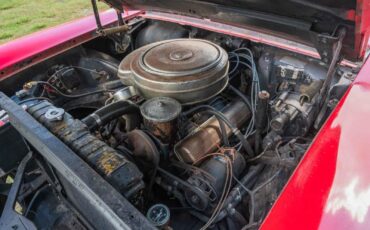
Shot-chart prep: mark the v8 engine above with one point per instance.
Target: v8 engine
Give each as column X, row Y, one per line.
column 200, row 131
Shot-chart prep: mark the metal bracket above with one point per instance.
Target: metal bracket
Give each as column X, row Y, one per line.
column 335, row 59
column 325, row 44
column 117, row 33
column 121, row 28
column 10, row 219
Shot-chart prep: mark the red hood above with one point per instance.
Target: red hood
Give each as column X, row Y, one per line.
column 298, row 20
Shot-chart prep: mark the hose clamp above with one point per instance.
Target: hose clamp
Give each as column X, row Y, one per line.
column 96, row 118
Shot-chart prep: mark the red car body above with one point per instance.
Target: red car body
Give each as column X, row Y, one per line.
column 330, row 188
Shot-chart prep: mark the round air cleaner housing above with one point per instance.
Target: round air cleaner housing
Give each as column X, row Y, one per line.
column 188, row 70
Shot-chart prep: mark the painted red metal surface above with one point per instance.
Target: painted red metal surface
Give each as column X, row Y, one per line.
column 235, row 31
column 29, row 50
column 330, row 189
column 362, row 20
column 241, row 33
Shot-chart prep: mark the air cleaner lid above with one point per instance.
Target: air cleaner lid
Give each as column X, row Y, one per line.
column 160, row 109
column 188, row 70
column 180, row 57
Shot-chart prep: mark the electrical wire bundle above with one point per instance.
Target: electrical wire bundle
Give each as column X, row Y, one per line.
column 49, row 85
column 243, row 59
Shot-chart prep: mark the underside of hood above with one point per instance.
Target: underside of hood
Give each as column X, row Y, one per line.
column 302, row 21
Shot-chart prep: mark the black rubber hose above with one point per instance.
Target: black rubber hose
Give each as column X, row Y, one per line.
column 238, row 191
column 73, row 95
column 261, row 118
column 35, row 196
column 243, row 97
column 225, row 138
column 110, row 112
column 209, row 109
column 231, row 223
column 239, row 218
column 258, row 141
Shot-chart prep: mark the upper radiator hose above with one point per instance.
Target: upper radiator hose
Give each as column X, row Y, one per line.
column 109, row 112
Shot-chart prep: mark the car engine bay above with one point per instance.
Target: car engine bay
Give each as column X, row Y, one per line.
column 197, row 130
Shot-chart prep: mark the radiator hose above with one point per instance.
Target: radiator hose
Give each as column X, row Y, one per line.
column 110, row 112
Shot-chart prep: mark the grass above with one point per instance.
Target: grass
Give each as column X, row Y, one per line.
column 21, row 17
